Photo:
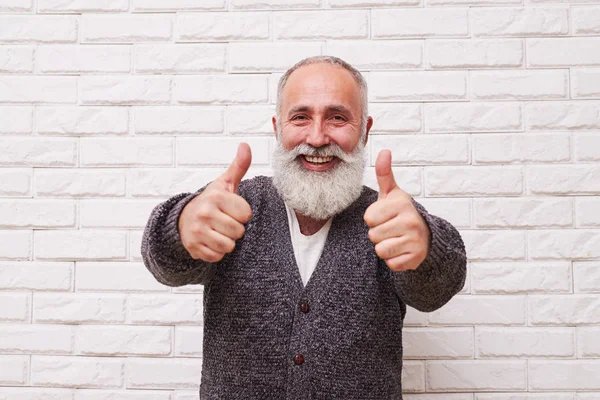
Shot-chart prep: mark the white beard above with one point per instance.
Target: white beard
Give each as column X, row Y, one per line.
column 318, row 195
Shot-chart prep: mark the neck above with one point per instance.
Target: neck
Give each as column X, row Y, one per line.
column 309, row 226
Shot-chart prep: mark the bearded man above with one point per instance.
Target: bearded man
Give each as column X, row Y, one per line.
column 306, row 275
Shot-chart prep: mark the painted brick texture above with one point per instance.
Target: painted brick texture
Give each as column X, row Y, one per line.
column 491, row 109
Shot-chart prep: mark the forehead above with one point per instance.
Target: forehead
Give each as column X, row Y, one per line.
column 319, row 85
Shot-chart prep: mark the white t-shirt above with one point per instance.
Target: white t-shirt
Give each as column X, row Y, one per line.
column 307, row 249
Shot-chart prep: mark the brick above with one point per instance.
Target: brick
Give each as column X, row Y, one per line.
column 473, row 181
column 250, row 120
column 16, row 5
column 324, row 24
column 83, row 59
column 16, row 120
column 423, row 149
column 477, row 375
column 487, row 310
column 494, row 245
column 72, row 245
column 565, row 244
column 563, row 179
column 81, row 6
column 37, row 214
column 17, row 59
column 585, row 83
column 417, row 86
column 586, row 20
column 123, row 340
column 180, row 58
column 134, row 90
column 555, row 52
column 99, row 277
column 177, row 5
column 178, row 120
column 587, row 277
column 587, row 212
column 445, row 396
column 525, row 342
column 14, row 370
column 188, row 341
column 165, row 309
column 38, row 29
column 371, row 3
column 79, row 182
column 413, row 376
column 564, row 310
column 216, row 26
column 219, row 151
column 135, row 253
column 515, row 21
column 587, row 342
column 82, row 120
column 519, row 148
column 28, row 393
column 37, row 339
column 519, row 85
column 523, row 213
column 379, row 54
column 221, row 89
column 576, row 115
column 126, row 28
column 475, row 53
column 269, row 56
column 564, row 375
column 408, row 178
column 104, row 394
column 524, row 396
column 424, row 343
column 15, row 182
column 587, row 146
column 167, row 182
column 15, row 307
column 396, row 118
column 78, row 372
column 429, row 22
column 273, row 4
column 473, row 117
column 126, row 152
column 115, row 213
column 521, row 277
column 15, row 245
column 37, row 276
column 455, row 211
column 38, row 89
column 165, row 373
column 38, row 152
column 79, row 308
column 471, row 2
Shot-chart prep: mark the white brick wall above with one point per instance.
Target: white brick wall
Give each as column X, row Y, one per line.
column 490, row 107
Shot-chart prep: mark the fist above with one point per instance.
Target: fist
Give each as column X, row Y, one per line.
column 210, row 224
column 399, row 232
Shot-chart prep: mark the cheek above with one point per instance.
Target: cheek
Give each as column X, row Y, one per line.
column 347, row 139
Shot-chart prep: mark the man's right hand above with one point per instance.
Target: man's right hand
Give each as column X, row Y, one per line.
column 210, row 224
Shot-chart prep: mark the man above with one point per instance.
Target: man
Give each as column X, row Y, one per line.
column 307, row 275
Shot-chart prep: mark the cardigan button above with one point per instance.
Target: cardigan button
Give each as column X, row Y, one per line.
column 298, row 359
column 304, row 307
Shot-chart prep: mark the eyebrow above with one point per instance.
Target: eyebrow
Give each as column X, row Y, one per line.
column 332, row 108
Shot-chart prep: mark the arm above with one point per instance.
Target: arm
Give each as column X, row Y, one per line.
column 443, row 272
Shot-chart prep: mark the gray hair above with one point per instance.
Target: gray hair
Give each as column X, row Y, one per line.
column 362, row 84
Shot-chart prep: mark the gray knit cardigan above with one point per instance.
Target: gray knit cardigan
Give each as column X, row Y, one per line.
column 266, row 336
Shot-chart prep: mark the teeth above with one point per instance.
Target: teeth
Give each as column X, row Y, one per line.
column 318, row 160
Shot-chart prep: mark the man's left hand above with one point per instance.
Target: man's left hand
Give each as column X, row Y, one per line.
column 399, row 232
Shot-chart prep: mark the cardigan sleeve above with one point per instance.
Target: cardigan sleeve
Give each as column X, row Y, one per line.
column 443, row 272
column 163, row 252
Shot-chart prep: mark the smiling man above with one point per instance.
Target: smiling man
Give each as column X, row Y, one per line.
column 307, row 274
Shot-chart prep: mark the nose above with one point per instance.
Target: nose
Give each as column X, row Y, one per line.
column 317, row 136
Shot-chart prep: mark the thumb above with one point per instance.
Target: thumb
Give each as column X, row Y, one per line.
column 238, row 168
column 385, row 176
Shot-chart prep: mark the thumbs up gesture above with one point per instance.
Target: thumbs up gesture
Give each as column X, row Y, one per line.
column 210, row 224
column 399, row 232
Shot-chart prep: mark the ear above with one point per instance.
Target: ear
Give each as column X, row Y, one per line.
column 369, row 126
column 274, row 122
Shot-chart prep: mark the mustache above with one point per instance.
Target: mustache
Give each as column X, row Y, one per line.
column 328, row 150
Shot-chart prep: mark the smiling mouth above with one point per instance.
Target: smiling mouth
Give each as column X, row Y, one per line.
column 318, row 160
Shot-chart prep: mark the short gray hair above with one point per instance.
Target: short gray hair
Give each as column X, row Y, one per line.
column 362, row 84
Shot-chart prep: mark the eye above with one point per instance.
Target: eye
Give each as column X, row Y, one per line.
column 299, row 118
column 339, row 118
